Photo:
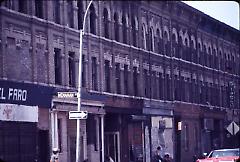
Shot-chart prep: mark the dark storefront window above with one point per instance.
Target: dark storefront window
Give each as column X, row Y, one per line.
column 186, row 137
column 60, row 134
column 58, row 66
column 72, row 70
column 18, row 141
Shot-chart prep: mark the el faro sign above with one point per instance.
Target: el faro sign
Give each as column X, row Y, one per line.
column 13, row 94
column 28, row 94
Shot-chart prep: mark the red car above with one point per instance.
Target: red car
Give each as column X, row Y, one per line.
column 222, row 155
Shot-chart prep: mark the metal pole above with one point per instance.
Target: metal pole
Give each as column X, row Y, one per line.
column 102, row 135
column 79, row 85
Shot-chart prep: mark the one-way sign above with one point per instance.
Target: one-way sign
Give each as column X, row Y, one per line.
column 78, row 114
column 233, row 128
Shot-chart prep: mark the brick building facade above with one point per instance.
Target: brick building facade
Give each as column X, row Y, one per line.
column 154, row 74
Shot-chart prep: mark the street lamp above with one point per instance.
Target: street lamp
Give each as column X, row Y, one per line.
column 79, row 84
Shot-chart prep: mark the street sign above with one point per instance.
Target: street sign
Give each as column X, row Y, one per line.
column 78, row 114
column 233, row 128
column 67, row 94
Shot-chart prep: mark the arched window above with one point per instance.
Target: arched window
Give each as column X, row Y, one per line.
column 144, row 41
column 105, row 23
column 56, row 12
column 22, row 6
column 192, row 53
column 92, row 20
column 116, row 27
column 159, row 41
column 151, row 37
column 70, row 14
column 80, row 13
column 39, row 8
column 124, row 23
column 174, row 39
column 134, row 32
column 174, row 49
column 166, row 43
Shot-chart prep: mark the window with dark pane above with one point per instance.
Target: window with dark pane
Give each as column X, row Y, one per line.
column 72, row 70
column 57, row 66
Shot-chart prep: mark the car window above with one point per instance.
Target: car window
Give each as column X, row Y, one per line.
column 224, row 153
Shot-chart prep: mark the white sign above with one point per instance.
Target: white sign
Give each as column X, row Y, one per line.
column 12, row 112
column 67, row 94
column 233, row 128
column 78, row 114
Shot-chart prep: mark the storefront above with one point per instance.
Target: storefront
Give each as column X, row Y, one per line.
column 124, row 129
column 20, row 127
column 160, row 128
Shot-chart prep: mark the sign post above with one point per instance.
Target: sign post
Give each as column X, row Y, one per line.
column 80, row 82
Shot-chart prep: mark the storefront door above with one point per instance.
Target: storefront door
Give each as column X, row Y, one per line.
column 112, row 147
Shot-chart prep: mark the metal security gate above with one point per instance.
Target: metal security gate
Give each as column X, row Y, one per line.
column 18, row 141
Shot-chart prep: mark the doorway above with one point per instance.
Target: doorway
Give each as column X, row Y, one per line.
column 112, row 147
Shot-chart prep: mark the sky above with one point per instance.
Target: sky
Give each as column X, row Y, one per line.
column 224, row 11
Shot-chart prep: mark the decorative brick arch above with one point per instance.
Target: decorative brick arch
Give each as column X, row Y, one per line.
column 205, row 45
column 209, row 47
column 186, row 37
column 126, row 18
column 199, row 41
column 194, row 41
column 214, row 47
column 144, row 22
column 165, row 30
column 181, row 37
column 136, row 22
column 174, row 32
column 95, row 6
column 220, row 51
column 158, row 28
column 105, row 7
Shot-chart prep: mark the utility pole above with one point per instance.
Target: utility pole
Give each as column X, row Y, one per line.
column 80, row 83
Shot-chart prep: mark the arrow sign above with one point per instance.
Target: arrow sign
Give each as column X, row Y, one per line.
column 78, row 114
column 233, row 128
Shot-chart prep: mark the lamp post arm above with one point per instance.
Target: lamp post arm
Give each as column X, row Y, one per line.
column 85, row 15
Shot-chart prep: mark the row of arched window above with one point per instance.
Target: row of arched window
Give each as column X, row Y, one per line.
column 147, row 36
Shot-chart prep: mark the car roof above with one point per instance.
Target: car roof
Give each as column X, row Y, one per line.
column 227, row 149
